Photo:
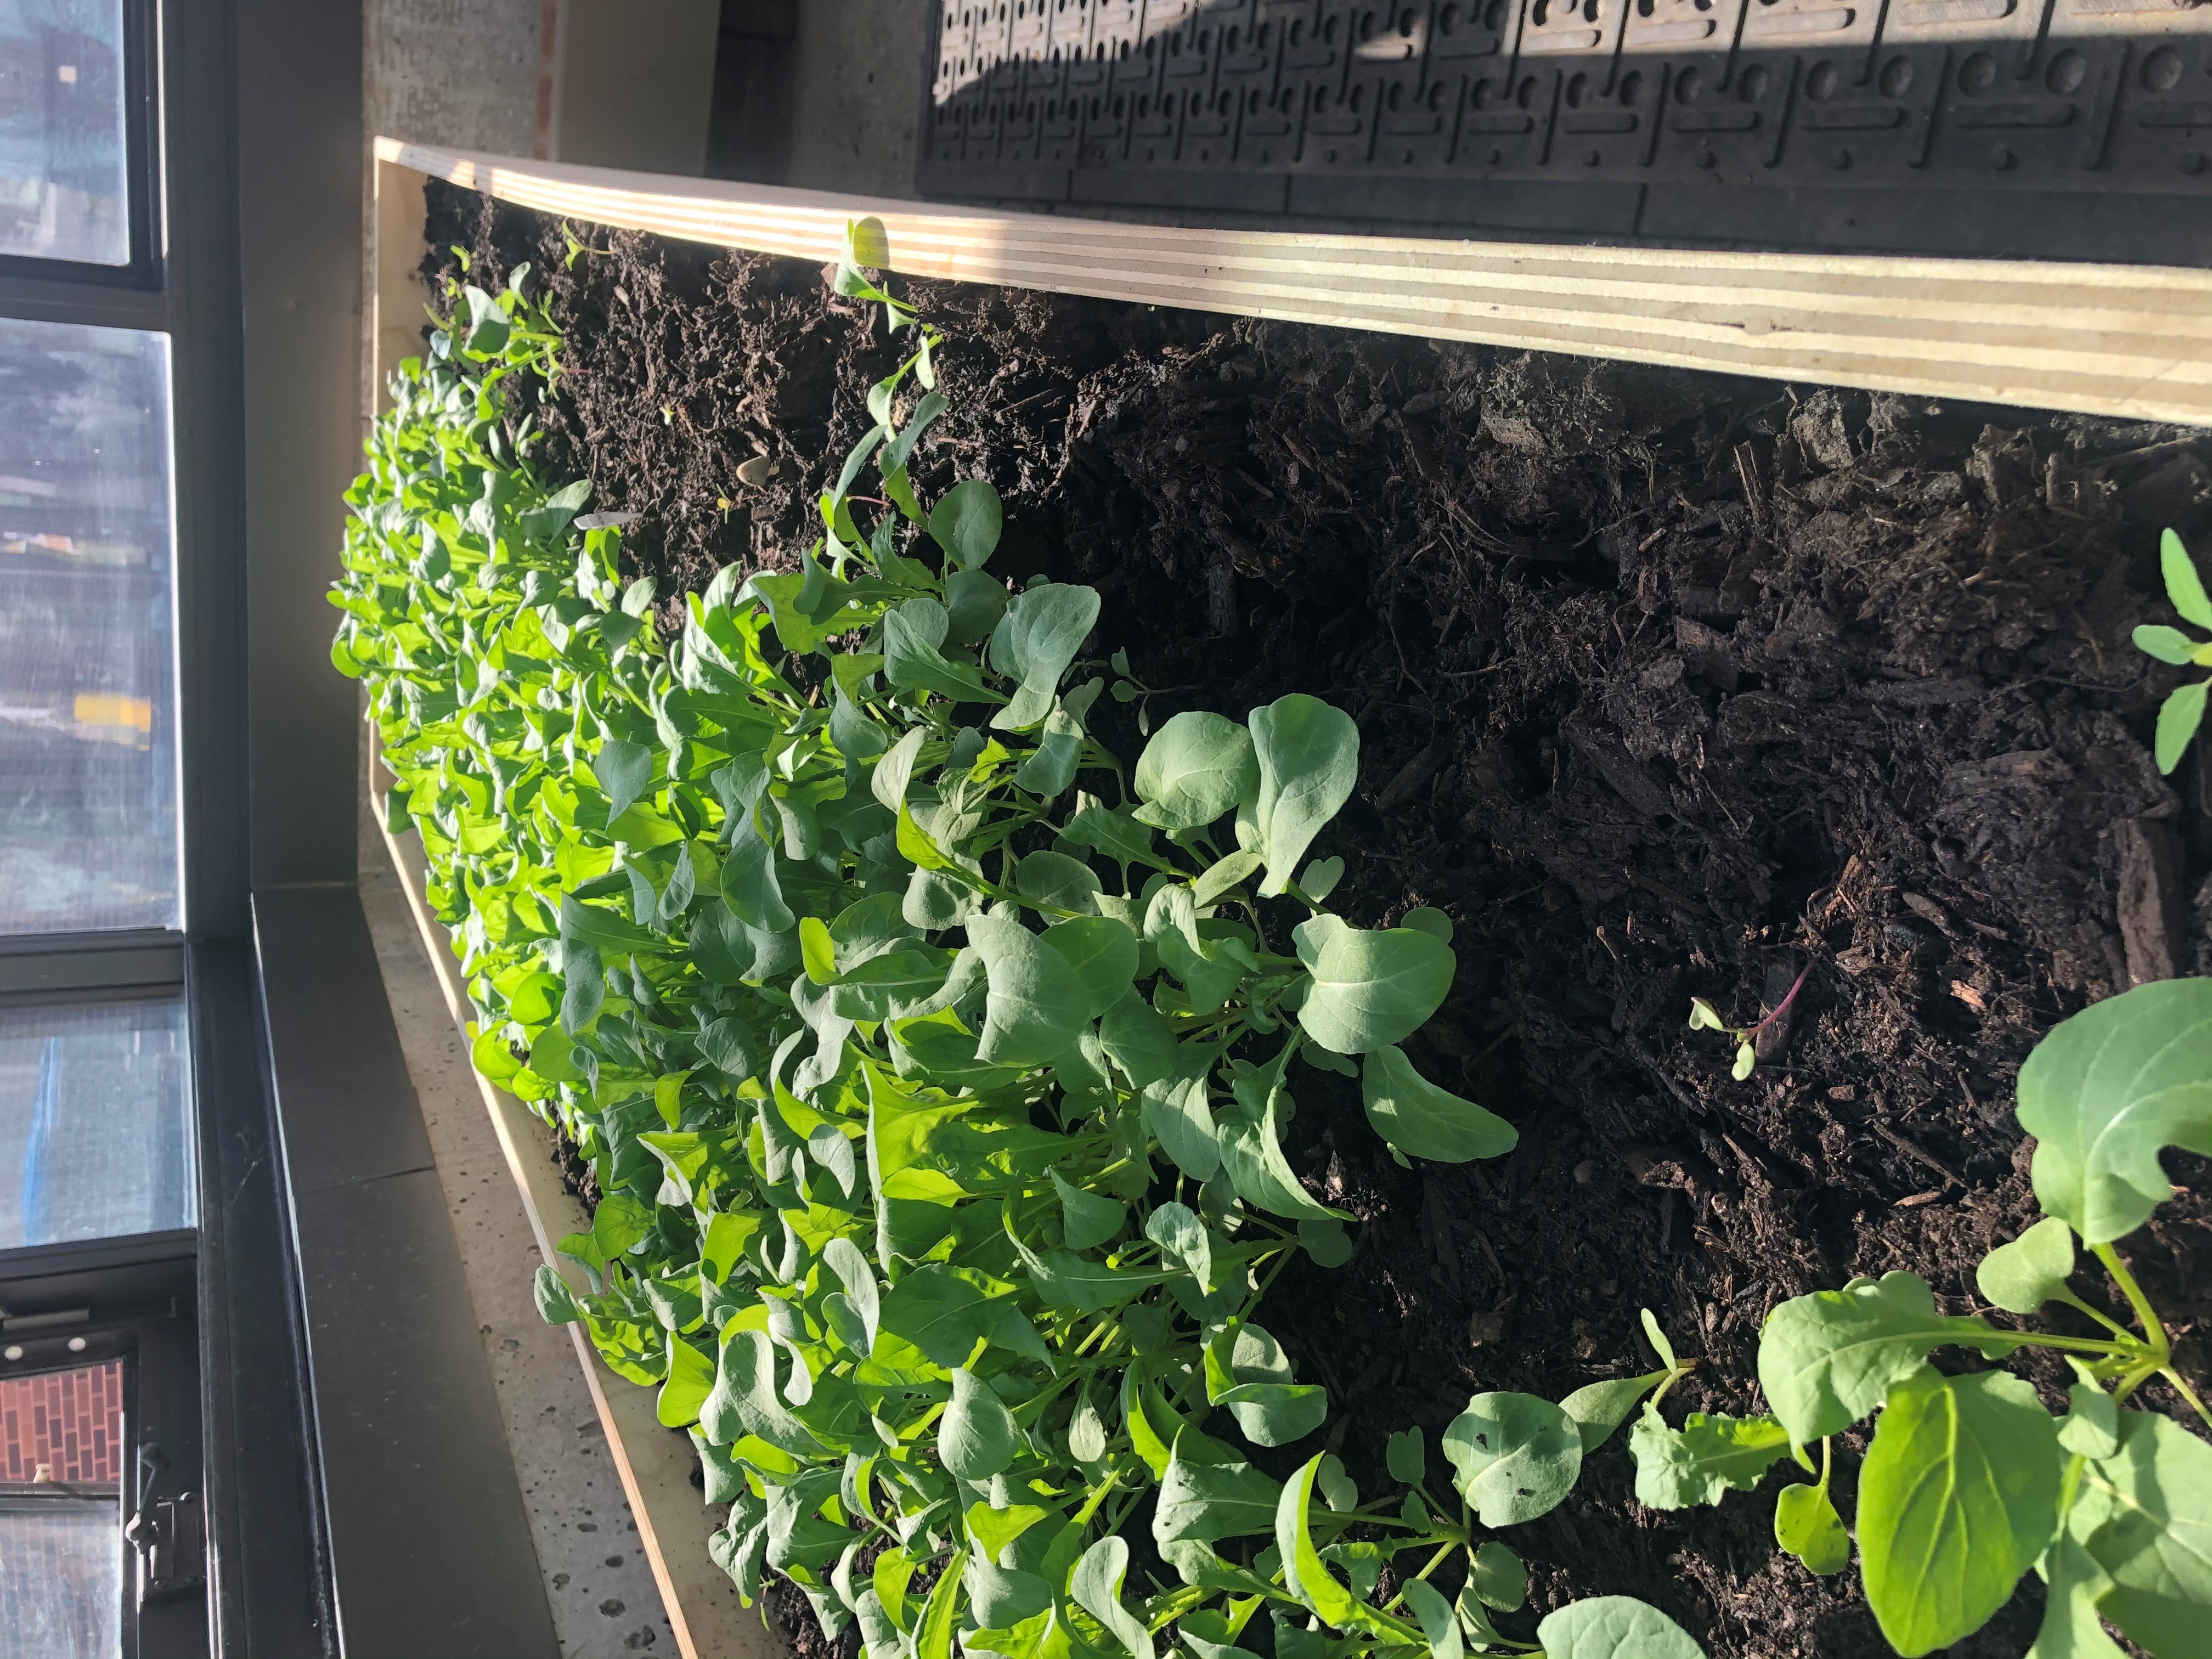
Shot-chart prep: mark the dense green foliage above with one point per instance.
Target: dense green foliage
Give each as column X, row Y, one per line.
column 1970, row 1482
column 935, row 1102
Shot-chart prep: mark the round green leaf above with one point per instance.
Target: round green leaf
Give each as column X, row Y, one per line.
column 966, row 522
column 1827, row 1359
column 2157, row 1540
column 1197, row 766
column 1308, row 756
column 1438, row 1623
column 1422, row 919
column 1614, row 1627
column 1498, row 1577
column 1515, row 1457
column 1958, row 1497
column 1102, row 951
column 1807, row 1525
column 1037, row 1005
column 2166, row 644
column 1210, row 1501
column 2105, row 1090
column 1421, row 1120
column 2022, row 1276
column 1057, row 880
column 1406, row 1456
column 976, row 1438
column 1370, row 989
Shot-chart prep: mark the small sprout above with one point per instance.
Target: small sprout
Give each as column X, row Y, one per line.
column 755, row 474
column 1704, row 1017
column 2182, row 711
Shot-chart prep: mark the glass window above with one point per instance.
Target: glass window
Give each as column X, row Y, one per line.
column 94, row 1142
column 62, row 150
column 61, row 1509
column 88, row 671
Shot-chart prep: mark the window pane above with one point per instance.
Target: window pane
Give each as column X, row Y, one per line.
column 62, row 157
column 88, row 675
column 61, row 1513
column 93, row 1135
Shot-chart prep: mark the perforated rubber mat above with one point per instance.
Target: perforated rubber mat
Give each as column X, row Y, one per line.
column 2075, row 129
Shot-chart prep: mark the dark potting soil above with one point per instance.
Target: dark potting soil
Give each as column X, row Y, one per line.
column 1668, row 684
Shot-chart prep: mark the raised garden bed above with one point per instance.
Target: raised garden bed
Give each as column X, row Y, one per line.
column 1668, row 685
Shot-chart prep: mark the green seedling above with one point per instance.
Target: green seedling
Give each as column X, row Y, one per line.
column 577, row 250
column 1705, row 1018
column 1128, row 688
column 2182, row 711
column 929, row 1059
column 1969, row 1483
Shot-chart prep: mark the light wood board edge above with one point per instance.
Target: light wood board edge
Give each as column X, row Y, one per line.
column 655, row 1465
column 2128, row 341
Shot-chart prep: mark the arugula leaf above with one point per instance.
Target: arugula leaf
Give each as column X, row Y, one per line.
column 1614, row 1627
column 1827, row 1359
column 2105, row 1090
column 1370, row 989
column 1423, row 1121
column 1514, row 1456
column 2155, row 1543
column 1699, row 1462
column 1958, row 1497
column 1308, row 753
column 1197, row 766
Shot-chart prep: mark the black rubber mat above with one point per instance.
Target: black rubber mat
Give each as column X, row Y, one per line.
column 2071, row 129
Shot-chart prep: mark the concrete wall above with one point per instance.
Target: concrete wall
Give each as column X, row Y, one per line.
column 860, row 76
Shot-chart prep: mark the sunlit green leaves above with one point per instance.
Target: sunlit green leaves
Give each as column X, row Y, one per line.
column 1370, row 989
column 2183, row 584
column 2155, row 1538
column 966, row 522
column 1096, row 1587
column 1037, row 1002
column 1308, row 758
column 1958, row 1497
column 1805, row 1524
column 2022, row 1276
column 1197, row 766
column 1210, row 1501
column 1044, row 627
column 1423, row 1121
column 1513, row 1456
column 1699, row 1462
column 976, row 1438
column 2105, row 1090
column 1614, row 1627
column 1827, row 1359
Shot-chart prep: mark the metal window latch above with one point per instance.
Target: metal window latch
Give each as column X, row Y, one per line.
column 170, row 1534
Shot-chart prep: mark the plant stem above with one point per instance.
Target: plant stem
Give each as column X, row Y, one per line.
column 2153, row 1332
column 1434, row 1562
column 1781, row 1007
column 2104, row 1319
column 2187, row 1392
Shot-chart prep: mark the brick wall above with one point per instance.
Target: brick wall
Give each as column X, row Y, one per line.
column 71, row 1420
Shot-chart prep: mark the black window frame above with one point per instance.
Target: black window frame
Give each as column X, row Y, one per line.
column 142, row 153
column 211, row 1315
column 347, row 1509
